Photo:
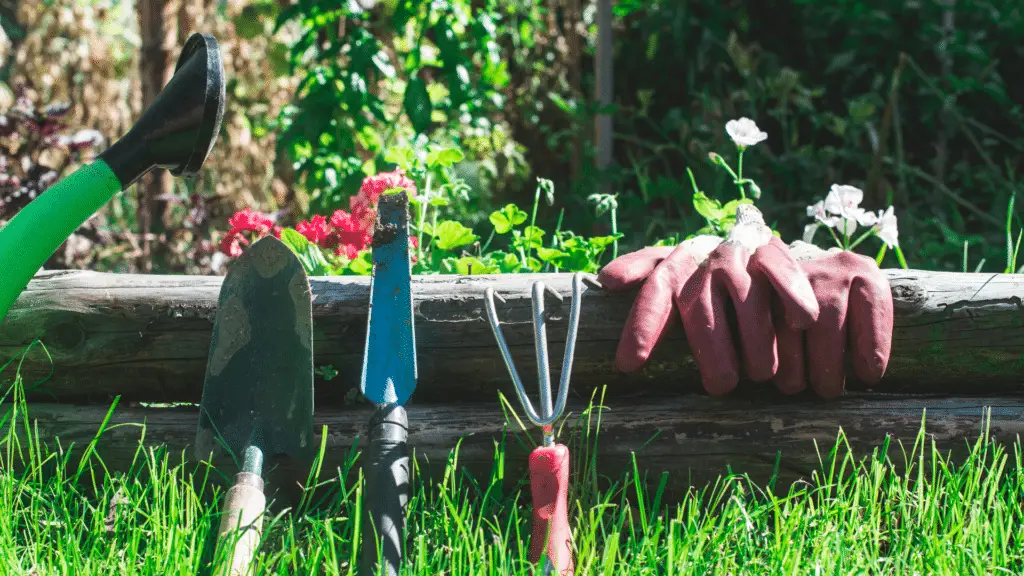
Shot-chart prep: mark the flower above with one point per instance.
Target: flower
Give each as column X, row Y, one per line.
column 252, row 221
column 373, row 186
column 886, row 227
column 809, row 231
column 744, row 132
column 315, row 229
column 350, row 229
column 246, row 221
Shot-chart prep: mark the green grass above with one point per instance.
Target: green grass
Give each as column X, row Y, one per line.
column 853, row 516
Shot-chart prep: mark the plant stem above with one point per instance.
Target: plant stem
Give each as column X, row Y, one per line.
column 881, row 254
column 863, row 237
column 903, row 261
column 836, row 238
column 422, row 217
column 739, row 173
column 615, row 231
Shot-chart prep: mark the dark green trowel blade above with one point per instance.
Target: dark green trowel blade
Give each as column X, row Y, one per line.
column 259, row 377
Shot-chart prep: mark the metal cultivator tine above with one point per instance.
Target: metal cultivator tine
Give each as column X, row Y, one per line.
column 548, row 413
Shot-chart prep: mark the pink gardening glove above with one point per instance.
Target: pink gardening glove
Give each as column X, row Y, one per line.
column 703, row 277
column 831, row 296
column 856, row 315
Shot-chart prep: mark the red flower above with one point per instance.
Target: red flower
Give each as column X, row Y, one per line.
column 231, row 243
column 315, row 230
column 347, row 250
column 246, row 221
column 374, row 186
column 253, row 221
column 351, row 230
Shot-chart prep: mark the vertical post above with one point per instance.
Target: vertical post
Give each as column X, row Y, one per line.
column 604, row 92
column 158, row 22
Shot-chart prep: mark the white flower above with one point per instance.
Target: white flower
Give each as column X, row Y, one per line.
column 750, row 230
column 886, row 227
column 843, row 199
column 744, row 132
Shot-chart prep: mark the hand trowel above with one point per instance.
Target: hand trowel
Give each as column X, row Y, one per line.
column 258, row 395
column 388, row 380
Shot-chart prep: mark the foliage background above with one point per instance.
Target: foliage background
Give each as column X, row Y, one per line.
column 913, row 100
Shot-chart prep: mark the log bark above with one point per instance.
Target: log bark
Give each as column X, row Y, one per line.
column 695, row 438
column 147, row 337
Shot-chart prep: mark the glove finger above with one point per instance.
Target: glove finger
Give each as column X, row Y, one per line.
column 631, row 269
column 751, row 299
column 871, row 325
column 826, row 346
column 703, row 310
column 791, row 376
column 757, row 333
column 791, row 284
column 649, row 318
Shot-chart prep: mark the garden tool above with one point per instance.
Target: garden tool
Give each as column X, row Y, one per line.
column 549, row 463
column 258, row 396
column 176, row 132
column 388, row 380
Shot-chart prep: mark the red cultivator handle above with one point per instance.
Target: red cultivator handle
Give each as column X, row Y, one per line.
column 549, row 484
column 549, row 464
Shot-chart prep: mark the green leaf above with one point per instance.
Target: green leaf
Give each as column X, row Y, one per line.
column 362, row 265
column 577, row 260
column 532, row 237
column 417, row 105
column 507, row 218
column 445, row 157
column 439, row 201
column 509, row 263
column 451, row 234
column 471, row 265
column 309, row 254
column 534, row 264
column 403, row 157
column 709, row 208
column 551, row 255
column 601, row 242
column 730, row 207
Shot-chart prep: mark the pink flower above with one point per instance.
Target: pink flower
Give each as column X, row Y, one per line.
column 374, row 186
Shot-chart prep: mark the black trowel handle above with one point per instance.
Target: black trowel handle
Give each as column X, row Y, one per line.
column 241, row 523
column 387, row 492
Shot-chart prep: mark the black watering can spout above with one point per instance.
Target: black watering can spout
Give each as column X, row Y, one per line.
column 176, row 132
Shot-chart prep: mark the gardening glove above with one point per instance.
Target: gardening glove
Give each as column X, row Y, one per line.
column 701, row 277
column 856, row 310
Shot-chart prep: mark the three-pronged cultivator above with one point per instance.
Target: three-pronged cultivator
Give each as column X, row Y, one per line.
column 549, row 463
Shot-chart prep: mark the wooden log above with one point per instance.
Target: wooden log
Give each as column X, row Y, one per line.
column 693, row 437
column 147, row 337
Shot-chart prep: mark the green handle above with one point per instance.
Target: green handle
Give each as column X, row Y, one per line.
column 35, row 233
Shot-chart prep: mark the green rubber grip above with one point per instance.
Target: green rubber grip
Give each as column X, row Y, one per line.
column 35, row 233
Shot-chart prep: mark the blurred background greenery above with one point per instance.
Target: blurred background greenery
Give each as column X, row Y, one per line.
column 915, row 101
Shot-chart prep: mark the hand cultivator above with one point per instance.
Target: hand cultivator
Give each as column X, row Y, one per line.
column 549, row 464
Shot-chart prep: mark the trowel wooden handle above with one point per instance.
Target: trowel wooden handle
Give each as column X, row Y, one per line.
column 241, row 524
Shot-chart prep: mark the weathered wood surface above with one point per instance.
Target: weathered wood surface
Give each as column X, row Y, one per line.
column 147, row 337
column 692, row 436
